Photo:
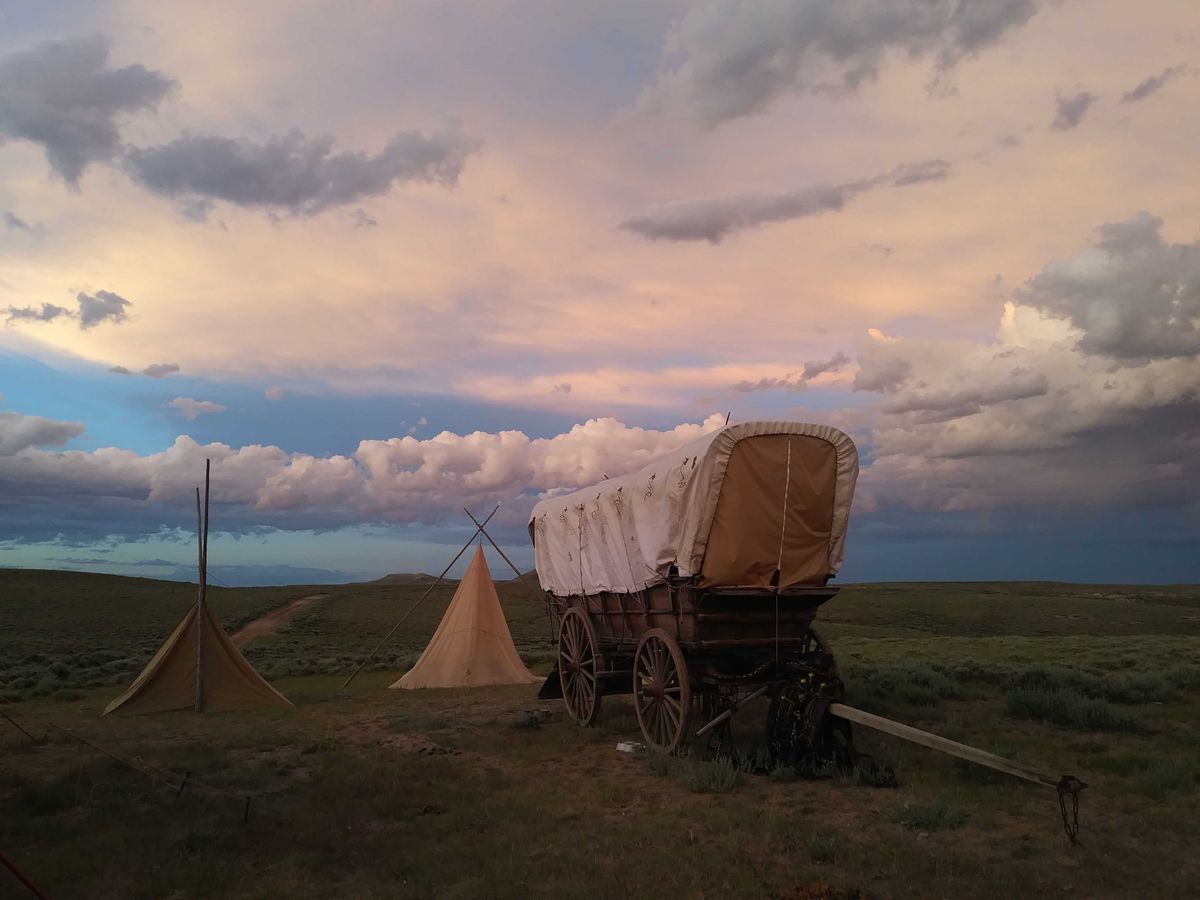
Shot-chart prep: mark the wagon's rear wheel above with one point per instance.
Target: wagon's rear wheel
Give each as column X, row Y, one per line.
column 579, row 665
column 662, row 692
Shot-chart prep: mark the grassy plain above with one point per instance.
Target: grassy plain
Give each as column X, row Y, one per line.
column 374, row 793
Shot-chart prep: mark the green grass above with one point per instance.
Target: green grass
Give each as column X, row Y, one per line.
column 367, row 792
column 1070, row 709
column 940, row 814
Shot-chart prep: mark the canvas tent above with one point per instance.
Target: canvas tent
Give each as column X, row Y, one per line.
column 472, row 646
column 169, row 681
column 198, row 667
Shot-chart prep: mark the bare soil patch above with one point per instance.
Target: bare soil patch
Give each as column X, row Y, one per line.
column 274, row 620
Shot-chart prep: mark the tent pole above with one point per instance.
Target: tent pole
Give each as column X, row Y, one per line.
column 537, row 594
column 199, row 598
column 428, row 591
column 203, row 592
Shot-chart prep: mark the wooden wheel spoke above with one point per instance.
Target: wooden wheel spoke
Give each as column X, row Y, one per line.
column 675, row 705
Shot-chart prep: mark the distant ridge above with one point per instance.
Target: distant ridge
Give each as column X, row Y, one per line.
column 405, row 578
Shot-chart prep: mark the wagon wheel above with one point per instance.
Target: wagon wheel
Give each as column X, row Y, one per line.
column 662, row 692
column 579, row 664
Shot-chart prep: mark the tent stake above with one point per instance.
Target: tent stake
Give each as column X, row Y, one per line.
column 429, row 590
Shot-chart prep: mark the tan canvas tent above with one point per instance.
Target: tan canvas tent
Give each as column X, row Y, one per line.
column 169, row 681
column 198, row 667
column 472, row 646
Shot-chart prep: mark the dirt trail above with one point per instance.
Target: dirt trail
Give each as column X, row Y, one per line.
column 271, row 622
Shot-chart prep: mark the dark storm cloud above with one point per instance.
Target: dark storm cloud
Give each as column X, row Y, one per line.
column 1069, row 111
column 293, row 172
column 103, row 306
column 1152, row 84
column 793, row 381
column 881, row 373
column 729, row 59
column 1134, row 296
column 63, row 96
column 713, row 220
column 958, row 401
column 19, row 432
column 48, row 312
column 160, row 370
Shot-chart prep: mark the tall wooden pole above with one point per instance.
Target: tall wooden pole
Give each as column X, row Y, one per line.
column 199, row 705
column 203, row 537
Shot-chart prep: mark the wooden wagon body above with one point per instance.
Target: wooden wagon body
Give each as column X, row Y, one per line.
column 694, row 581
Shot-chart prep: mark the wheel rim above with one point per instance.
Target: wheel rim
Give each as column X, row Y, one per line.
column 578, row 665
column 662, row 692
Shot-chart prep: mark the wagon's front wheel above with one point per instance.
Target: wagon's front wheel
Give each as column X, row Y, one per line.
column 579, row 664
column 662, row 692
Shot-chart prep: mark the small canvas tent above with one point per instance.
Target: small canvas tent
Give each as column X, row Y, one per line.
column 472, row 646
column 198, row 667
column 198, row 663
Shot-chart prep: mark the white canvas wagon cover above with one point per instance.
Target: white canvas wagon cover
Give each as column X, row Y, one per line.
column 731, row 508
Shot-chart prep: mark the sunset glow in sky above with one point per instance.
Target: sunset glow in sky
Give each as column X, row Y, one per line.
column 381, row 261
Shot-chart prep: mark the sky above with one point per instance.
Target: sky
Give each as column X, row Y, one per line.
column 381, row 262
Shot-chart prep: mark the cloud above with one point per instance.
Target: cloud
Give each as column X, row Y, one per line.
column 103, row 306
column 881, row 372
column 361, row 219
column 93, row 309
column 793, row 381
column 47, row 313
column 295, row 173
column 726, row 59
column 1133, row 296
column 964, row 400
column 160, row 370
column 835, row 363
column 191, row 409
column 19, row 432
column 119, row 370
column 63, row 96
column 1069, row 111
column 1039, row 417
column 1152, row 84
column 714, row 220
column 399, row 480
column 15, row 222
column 273, row 393
column 561, row 388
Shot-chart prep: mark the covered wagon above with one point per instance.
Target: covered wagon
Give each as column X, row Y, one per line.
column 693, row 581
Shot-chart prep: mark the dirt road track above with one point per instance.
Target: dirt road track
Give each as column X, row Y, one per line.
column 271, row 622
